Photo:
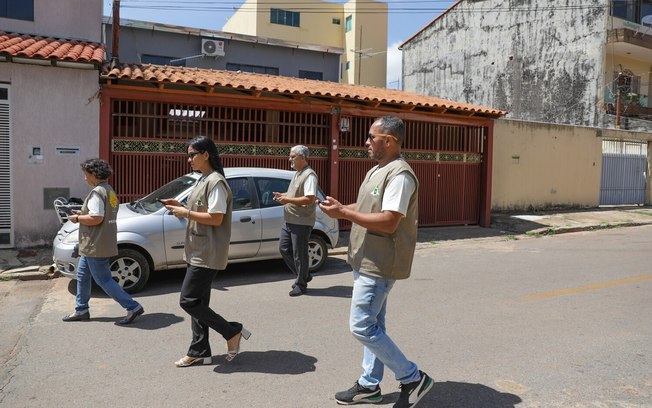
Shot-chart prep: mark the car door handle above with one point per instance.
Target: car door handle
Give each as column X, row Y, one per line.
column 246, row 219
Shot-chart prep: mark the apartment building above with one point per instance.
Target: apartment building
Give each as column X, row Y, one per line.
column 359, row 27
column 586, row 63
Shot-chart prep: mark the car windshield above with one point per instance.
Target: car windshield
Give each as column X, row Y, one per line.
column 172, row 189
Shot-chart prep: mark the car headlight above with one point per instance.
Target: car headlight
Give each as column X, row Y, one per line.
column 72, row 238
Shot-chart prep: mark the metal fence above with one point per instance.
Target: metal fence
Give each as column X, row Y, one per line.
column 624, row 167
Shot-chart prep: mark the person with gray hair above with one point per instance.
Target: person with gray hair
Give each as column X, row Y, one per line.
column 300, row 214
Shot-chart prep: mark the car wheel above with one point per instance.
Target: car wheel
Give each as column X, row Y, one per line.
column 130, row 269
column 317, row 252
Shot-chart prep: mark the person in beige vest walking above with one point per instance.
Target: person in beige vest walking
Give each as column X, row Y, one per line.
column 299, row 213
column 98, row 241
column 208, row 233
column 381, row 248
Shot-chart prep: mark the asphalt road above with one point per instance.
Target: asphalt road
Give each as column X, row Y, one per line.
column 559, row 321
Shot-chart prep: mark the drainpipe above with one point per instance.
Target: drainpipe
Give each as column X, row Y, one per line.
column 115, row 49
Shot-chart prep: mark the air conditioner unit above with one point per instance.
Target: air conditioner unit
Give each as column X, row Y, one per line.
column 212, row 48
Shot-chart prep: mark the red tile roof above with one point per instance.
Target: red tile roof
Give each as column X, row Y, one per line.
column 28, row 46
column 287, row 85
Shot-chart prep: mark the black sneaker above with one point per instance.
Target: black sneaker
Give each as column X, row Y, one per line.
column 411, row 393
column 358, row 395
column 297, row 291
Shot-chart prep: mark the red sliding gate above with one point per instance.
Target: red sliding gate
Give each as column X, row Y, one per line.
column 144, row 139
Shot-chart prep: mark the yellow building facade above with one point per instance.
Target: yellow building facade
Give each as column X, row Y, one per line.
column 357, row 27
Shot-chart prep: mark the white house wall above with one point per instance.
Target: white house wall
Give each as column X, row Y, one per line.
column 540, row 61
column 50, row 107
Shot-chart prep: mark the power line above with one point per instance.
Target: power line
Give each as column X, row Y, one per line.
column 401, row 7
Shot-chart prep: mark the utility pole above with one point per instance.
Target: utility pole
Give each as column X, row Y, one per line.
column 115, row 49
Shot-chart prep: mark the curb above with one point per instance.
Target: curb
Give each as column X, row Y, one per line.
column 30, row 273
column 564, row 230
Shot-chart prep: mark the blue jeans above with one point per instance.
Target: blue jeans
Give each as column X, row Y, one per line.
column 98, row 269
column 367, row 324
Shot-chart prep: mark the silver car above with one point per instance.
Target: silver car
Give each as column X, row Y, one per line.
column 150, row 238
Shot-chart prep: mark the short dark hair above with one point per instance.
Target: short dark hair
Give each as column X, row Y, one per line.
column 392, row 125
column 98, row 168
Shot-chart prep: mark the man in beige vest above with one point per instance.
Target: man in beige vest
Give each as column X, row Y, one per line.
column 381, row 248
column 300, row 207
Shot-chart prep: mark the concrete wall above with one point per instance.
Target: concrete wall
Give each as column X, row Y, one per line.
column 540, row 61
column 50, row 107
column 244, row 21
column 538, row 166
column 69, row 19
column 135, row 42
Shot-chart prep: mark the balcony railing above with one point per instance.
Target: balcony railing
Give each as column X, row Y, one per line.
column 634, row 111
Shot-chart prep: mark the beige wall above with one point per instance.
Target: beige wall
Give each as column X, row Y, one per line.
column 366, row 44
column 244, row 20
column 368, row 35
column 49, row 106
column 70, row 19
column 541, row 165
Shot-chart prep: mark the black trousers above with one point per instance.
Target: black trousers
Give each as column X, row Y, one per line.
column 293, row 246
column 195, row 300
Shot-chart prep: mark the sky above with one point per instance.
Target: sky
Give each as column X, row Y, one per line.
column 405, row 18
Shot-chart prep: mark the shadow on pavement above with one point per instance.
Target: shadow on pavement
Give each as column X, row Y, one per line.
column 456, row 394
column 267, row 362
column 154, row 321
column 250, row 273
column 333, row 291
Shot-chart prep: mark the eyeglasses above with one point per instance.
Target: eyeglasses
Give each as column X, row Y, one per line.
column 373, row 136
column 193, row 154
column 292, row 156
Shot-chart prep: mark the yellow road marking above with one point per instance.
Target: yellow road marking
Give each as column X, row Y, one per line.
column 600, row 285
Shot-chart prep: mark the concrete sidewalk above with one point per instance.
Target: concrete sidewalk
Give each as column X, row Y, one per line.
column 35, row 263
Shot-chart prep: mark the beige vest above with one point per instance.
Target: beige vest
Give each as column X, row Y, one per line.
column 207, row 246
column 100, row 241
column 388, row 256
column 300, row 214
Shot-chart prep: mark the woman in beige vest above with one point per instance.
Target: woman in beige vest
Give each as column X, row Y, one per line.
column 208, row 233
column 98, row 242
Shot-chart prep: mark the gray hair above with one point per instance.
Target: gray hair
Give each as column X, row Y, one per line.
column 301, row 150
column 392, row 125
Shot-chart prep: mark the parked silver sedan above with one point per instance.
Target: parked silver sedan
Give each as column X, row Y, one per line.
column 150, row 238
